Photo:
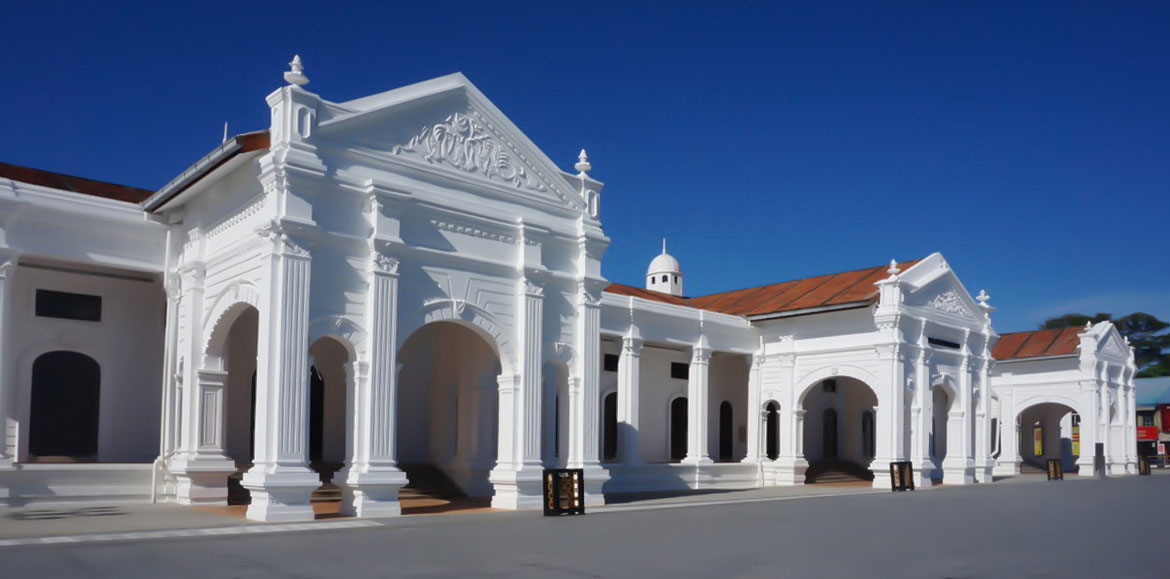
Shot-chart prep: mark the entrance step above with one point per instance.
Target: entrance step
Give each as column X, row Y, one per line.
column 426, row 481
column 836, row 471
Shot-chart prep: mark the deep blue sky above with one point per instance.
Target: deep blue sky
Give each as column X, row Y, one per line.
column 770, row 141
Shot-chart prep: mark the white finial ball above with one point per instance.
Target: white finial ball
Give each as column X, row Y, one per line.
column 583, row 165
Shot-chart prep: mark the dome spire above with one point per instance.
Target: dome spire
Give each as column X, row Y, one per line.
column 664, row 274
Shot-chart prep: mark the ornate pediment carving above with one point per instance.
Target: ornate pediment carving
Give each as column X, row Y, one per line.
column 951, row 303
column 464, row 141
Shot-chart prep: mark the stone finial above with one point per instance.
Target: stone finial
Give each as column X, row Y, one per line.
column 982, row 298
column 583, row 166
column 1088, row 325
column 296, row 72
column 893, row 271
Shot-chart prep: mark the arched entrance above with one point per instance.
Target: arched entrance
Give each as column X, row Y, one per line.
column 772, row 431
column 726, row 432
column 65, row 404
column 238, row 359
column 447, row 411
column 329, row 379
column 838, row 436
column 941, row 401
column 1049, row 430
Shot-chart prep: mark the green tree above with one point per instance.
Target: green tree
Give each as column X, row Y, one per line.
column 1146, row 334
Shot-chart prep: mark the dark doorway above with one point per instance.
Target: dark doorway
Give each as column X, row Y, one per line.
column 726, row 428
column 64, row 406
column 772, row 426
column 868, row 440
column 316, row 414
column 678, row 429
column 829, row 434
column 609, row 429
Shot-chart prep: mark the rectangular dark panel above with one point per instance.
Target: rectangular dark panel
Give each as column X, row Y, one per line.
column 611, row 362
column 943, row 343
column 69, row 306
column 680, row 370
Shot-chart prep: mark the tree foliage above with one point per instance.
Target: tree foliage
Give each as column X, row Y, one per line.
column 1146, row 334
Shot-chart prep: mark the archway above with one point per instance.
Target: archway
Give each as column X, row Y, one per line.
column 329, row 379
column 555, row 421
column 1049, row 430
column 772, row 431
column 838, row 436
column 941, row 401
column 237, row 357
column 65, row 408
column 678, row 429
column 447, row 411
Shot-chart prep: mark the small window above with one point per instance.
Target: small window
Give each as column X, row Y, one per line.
column 611, row 362
column 665, row 278
column 942, row 343
column 68, row 306
column 829, row 386
column 679, row 370
column 676, row 279
column 1147, row 419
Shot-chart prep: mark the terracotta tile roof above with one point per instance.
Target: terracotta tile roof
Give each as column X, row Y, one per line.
column 629, row 290
column 814, row 292
column 820, row 291
column 1037, row 343
column 75, row 184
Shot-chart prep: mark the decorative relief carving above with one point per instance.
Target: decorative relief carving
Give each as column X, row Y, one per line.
column 590, row 299
column 282, row 242
column 531, row 289
column 700, row 355
column 382, row 263
column 238, row 218
column 951, row 303
column 476, row 232
column 464, row 143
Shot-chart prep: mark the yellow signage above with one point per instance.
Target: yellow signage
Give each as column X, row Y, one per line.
column 1076, row 440
column 1037, row 440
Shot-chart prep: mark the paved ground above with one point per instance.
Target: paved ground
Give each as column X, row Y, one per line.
column 1022, row 528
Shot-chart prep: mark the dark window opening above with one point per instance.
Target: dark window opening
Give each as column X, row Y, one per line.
column 665, row 279
column 829, row 386
column 829, row 433
column 611, row 363
column 316, row 415
column 868, row 440
column 680, row 370
column 557, row 425
column 69, row 306
column 943, row 343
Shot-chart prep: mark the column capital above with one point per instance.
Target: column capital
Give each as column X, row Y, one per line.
column 632, row 346
column 383, row 264
column 281, row 242
column 530, row 288
column 8, row 261
column 700, row 355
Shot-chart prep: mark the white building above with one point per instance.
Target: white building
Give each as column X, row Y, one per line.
column 404, row 283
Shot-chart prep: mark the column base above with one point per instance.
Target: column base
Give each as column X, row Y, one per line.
column 983, row 472
column 959, row 472
column 1006, row 468
column 282, row 494
column 697, row 460
column 516, row 489
column 373, row 493
column 789, row 472
column 595, row 479
column 881, row 474
column 923, row 474
column 201, row 481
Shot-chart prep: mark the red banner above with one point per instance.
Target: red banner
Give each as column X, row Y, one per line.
column 1147, row 433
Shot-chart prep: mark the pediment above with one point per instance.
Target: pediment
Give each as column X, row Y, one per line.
column 946, row 296
column 446, row 127
column 1113, row 344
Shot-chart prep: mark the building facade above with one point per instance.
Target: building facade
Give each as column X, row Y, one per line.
column 404, row 281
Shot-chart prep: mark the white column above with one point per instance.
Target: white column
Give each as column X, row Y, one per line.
column 280, row 480
column 1008, row 463
column 889, row 416
column 629, row 369
column 7, row 267
column 755, row 411
column 201, row 470
column 517, row 476
column 922, row 417
column 1105, row 425
column 585, row 399
column 958, row 466
column 981, row 398
column 372, row 477
column 1130, row 425
column 698, row 394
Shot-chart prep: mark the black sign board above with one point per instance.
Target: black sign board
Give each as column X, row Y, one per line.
column 564, row 491
column 1055, row 469
column 901, row 476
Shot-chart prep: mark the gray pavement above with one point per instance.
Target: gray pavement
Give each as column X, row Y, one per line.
column 1025, row 528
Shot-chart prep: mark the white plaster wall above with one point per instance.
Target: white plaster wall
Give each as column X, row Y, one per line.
column 656, row 390
column 127, row 343
column 728, row 381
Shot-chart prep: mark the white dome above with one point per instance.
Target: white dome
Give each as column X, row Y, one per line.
column 664, row 263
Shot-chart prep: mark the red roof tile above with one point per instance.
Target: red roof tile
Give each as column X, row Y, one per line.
column 814, row 292
column 1037, row 343
column 75, row 184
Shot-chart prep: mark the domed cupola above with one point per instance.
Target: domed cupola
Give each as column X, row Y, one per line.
column 664, row 275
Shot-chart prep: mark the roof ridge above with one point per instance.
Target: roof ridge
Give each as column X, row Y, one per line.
column 68, row 176
column 832, row 273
